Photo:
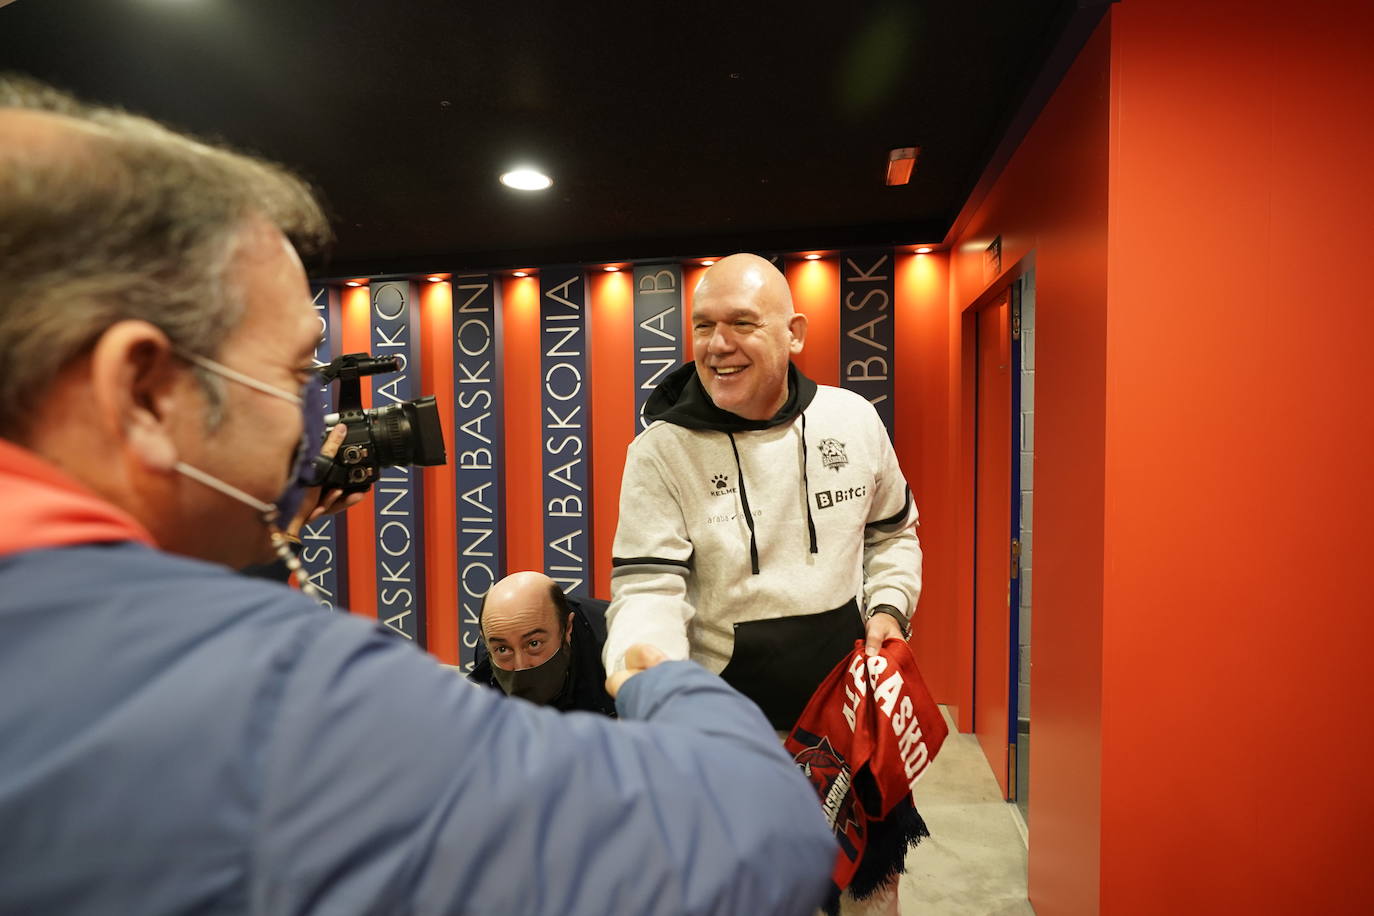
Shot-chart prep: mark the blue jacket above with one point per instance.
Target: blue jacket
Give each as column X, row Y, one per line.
column 175, row 738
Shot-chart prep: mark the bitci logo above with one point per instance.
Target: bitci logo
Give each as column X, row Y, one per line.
column 827, row 498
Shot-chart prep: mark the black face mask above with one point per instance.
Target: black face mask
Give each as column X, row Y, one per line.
column 539, row 684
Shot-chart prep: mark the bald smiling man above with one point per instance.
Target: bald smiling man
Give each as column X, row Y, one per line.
column 765, row 524
column 542, row 646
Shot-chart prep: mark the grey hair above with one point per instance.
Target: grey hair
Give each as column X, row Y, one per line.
column 123, row 219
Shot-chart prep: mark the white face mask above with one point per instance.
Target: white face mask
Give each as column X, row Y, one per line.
column 310, row 402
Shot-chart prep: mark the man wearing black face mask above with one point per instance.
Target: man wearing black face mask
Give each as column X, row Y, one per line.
column 542, row 646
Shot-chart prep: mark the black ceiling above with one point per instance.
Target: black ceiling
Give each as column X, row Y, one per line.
column 670, row 129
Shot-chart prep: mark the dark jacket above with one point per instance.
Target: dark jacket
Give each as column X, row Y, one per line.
column 586, row 685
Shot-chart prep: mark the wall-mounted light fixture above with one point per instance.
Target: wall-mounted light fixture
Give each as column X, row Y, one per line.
column 900, row 163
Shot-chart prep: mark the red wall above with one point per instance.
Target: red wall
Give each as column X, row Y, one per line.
column 1203, row 433
column 440, row 514
column 691, row 276
column 355, row 306
column 1050, row 206
column 1201, row 467
column 1238, row 624
column 921, row 380
column 524, row 519
column 611, row 333
column 816, row 294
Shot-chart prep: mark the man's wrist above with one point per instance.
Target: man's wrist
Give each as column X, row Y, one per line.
column 895, row 614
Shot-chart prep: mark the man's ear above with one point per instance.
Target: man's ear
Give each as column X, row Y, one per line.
column 137, row 383
column 796, row 326
column 567, row 629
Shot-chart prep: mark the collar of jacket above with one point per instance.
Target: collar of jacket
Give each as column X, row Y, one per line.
column 44, row 507
column 681, row 400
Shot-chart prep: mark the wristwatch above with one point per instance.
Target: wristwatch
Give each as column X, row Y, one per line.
column 895, row 614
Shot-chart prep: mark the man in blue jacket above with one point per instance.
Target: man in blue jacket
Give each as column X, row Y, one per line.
column 178, row 738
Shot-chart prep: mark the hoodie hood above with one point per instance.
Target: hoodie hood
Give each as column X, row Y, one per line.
column 681, row 400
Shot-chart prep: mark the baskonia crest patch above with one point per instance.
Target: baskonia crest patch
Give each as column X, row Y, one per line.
column 830, row 777
column 832, row 454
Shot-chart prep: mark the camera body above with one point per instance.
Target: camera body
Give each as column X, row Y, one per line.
column 405, row 433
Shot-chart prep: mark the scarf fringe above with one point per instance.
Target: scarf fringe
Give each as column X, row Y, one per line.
column 884, row 857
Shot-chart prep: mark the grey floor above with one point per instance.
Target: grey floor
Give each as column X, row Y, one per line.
column 974, row 863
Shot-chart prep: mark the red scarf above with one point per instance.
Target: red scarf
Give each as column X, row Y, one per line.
column 865, row 738
column 46, row 508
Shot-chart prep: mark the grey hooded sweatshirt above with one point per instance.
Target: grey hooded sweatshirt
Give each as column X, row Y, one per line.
column 756, row 546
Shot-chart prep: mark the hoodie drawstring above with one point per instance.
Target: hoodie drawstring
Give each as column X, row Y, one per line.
column 806, row 487
column 744, row 501
column 749, row 516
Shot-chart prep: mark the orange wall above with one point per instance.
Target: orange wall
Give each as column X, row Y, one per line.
column 610, row 332
column 524, row 518
column 439, row 511
column 1049, row 205
column 816, row 294
column 1203, row 435
column 1202, row 442
column 356, row 337
column 691, row 276
column 1238, row 627
column 921, row 383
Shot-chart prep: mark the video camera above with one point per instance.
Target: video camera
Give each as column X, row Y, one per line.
column 382, row 437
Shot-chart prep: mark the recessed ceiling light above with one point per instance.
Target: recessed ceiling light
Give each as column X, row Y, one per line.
column 707, row 263
column 352, row 283
column 435, row 279
column 611, row 268
column 526, row 180
column 522, row 273
column 813, row 257
column 924, row 249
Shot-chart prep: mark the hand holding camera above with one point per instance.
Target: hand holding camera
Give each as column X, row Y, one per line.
column 359, row 443
column 404, row 433
column 318, row 501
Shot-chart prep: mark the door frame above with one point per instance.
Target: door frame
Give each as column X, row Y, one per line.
column 966, row 483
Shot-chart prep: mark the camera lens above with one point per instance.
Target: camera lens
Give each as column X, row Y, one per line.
column 390, row 429
column 407, row 433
